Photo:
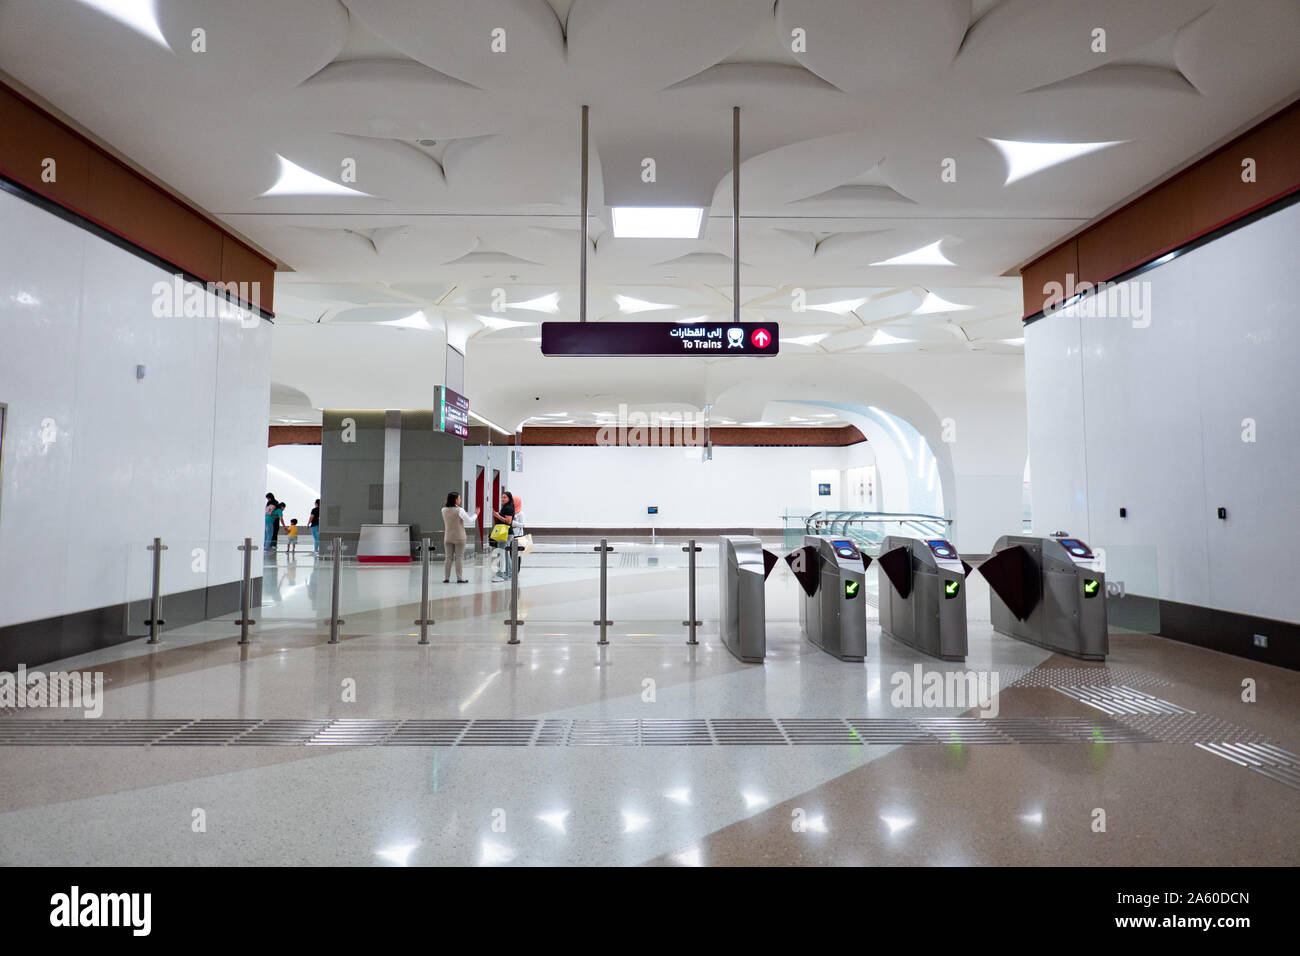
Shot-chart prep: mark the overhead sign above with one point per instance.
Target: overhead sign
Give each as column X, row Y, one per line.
column 710, row 339
column 453, row 411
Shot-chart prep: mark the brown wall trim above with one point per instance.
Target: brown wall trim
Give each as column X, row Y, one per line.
column 721, row 437
column 293, row 435
column 588, row 435
column 102, row 190
column 1201, row 199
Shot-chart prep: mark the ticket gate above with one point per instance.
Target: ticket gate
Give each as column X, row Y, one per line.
column 833, row 611
column 743, row 567
column 922, row 595
column 1050, row 592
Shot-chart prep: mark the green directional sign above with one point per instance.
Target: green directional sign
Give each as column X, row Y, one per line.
column 851, row 589
column 1091, row 587
column 951, row 588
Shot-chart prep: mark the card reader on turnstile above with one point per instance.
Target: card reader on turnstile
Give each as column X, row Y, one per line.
column 1050, row 592
column 923, row 595
column 833, row 612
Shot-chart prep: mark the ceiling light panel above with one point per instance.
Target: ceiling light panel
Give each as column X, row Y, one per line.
column 1026, row 158
column 930, row 255
column 296, row 181
column 140, row 15
column 657, row 222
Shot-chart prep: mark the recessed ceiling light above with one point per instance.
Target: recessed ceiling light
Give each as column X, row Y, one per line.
column 884, row 338
column 657, row 222
column 496, row 322
column 140, row 15
column 843, row 307
column 1019, row 341
column 929, row 255
column 543, row 303
column 805, row 339
column 628, row 304
column 933, row 303
column 416, row 320
column 1025, row 159
column 296, row 181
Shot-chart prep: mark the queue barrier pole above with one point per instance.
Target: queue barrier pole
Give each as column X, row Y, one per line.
column 691, row 623
column 424, row 620
column 514, row 621
column 155, row 601
column 335, row 620
column 604, row 621
column 245, row 589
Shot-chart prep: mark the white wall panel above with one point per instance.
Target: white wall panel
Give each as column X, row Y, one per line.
column 1054, row 393
column 180, row 454
column 1152, row 419
column 595, row 486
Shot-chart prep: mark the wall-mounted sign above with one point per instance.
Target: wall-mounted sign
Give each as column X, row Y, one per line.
column 516, row 460
column 652, row 510
column 712, row 339
column 824, row 490
column 452, row 410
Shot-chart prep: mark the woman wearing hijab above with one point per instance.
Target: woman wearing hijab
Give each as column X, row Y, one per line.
column 508, row 515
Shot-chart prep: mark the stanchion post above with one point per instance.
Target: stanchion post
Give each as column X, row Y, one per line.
column 512, row 555
column 335, row 620
column 424, row 620
column 245, row 587
column 604, row 621
column 155, row 601
column 690, row 622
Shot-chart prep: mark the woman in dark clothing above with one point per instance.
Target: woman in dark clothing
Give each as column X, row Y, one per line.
column 508, row 515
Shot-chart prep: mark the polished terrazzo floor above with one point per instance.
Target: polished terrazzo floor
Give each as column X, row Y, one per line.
column 608, row 801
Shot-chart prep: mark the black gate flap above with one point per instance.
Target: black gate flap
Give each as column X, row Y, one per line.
column 1014, row 578
column 769, row 562
column 805, row 558
column 898, row 568
column 966, row 569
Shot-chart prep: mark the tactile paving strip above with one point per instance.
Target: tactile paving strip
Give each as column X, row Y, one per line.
column 688, row 732
column 1119, row 700
column 1097, row 674
column 1264, row 759
column 1191, row 728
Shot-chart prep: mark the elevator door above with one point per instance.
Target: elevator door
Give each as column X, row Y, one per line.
column 479, row 503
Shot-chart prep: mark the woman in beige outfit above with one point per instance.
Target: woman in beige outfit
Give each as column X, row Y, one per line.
column 454, row 520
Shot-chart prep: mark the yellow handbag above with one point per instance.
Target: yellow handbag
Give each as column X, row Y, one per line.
column 500, row 532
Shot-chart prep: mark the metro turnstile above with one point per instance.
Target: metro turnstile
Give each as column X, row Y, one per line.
column 922, row 597
column 743, row 567
column 833, row 611
column 1050, row 592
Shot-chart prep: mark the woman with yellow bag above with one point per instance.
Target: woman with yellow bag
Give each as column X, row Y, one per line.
column 509, row 524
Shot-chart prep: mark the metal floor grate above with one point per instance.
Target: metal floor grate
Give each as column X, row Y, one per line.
column 1182, row 728
column 208, row 732
column 427, row 733
column 676, row 733
column 1120, row 700
column 605, row 733
column 499, row 733
column 747, row 731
